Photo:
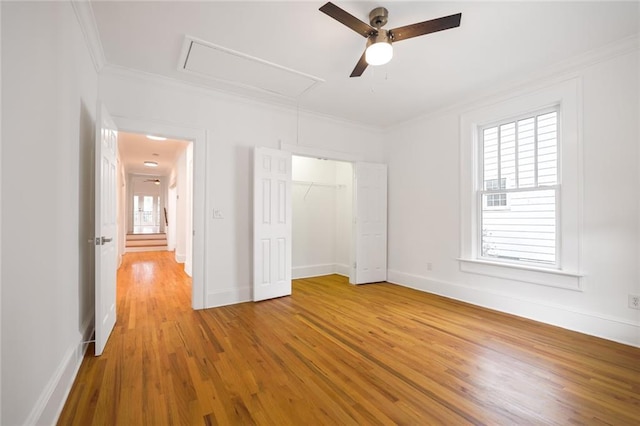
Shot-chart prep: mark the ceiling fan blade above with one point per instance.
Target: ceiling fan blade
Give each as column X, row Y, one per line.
column 347, row 19
column 360, row 67
column 426, row 27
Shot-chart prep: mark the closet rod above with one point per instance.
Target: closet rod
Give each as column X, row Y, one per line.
column 328, row 185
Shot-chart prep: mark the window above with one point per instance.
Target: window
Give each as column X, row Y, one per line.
column 496, row 200
column 519, row 163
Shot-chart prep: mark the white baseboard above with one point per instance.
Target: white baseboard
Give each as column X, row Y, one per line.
column 341, row 269
column 181, row 257
column 52, row 399
column 229, row 297
column 245, row 294
column 593, row 324
column 311, row 271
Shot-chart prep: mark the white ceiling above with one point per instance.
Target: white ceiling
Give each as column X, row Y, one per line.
column 136, row 149
column 496, row 42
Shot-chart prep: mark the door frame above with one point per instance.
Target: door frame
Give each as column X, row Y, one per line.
column 198, row 137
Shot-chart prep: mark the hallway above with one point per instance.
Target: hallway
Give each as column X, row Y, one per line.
column 131, row 381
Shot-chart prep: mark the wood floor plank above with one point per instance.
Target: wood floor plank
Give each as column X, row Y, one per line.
column 334, row 353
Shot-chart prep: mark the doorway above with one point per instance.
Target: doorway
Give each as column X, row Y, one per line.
column 273, row 222
column 194, row 237
column 322, row 212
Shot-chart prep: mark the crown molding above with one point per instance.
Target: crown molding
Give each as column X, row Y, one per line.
column 87, row 21
column 543, row 77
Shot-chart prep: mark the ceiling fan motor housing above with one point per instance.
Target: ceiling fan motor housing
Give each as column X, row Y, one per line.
column 378, row 17
column 381, row 36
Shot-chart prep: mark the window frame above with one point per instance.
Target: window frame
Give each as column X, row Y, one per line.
column 566, row 96
column 557, row 187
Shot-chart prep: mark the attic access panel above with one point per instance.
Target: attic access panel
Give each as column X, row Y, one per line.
column 239, row 69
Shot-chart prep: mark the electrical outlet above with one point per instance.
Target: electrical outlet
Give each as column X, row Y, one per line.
column 634, row 301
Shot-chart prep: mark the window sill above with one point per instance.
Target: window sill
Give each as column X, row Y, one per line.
column 527, row 274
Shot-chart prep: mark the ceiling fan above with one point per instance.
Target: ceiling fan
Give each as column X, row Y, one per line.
column 379, row 50
column 156, row 181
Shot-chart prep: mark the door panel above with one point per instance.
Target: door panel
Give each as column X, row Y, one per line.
column 370, row 214
column 106, row 227
column 272, row 224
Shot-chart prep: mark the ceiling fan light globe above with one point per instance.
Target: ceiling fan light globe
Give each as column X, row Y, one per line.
column 379, row 53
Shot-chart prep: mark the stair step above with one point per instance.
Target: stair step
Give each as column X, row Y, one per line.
column 146, row 243
column 131, row 237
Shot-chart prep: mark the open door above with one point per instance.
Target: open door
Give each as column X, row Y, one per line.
column 271, row 224
column 106, row 227
column 370, row 229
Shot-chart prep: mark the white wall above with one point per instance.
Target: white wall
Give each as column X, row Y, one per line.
column 344, row 217
column 171, row 212
column 122, row 215
column 424, row 216
column 141, row 186
column 188, row 210
column 234, row 126
column 181, row 207
column 49, row 88
column 0, row 218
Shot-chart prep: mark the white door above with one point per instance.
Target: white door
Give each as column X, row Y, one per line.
column 106, row 227
column 271, row 224
column 370, row 213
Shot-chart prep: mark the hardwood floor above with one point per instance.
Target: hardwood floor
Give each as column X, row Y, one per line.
column 333, row 353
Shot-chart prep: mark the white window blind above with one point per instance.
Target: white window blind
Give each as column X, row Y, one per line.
column 519, row 190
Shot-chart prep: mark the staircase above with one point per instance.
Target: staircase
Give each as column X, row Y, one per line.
column 146, row 242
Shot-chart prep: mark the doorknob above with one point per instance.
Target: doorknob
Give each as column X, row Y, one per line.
column 106, row 240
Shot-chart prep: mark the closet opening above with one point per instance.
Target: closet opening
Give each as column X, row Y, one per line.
column 322, row 217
